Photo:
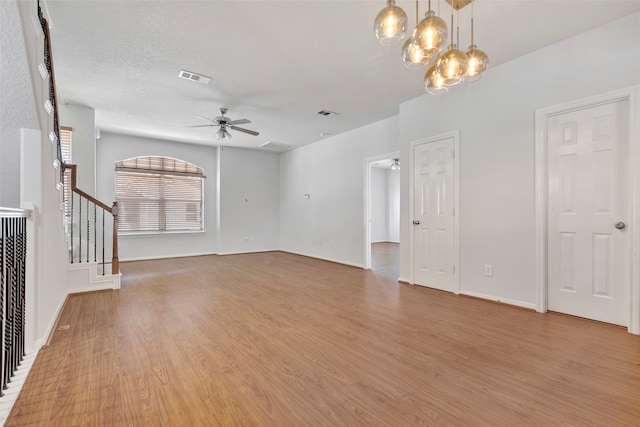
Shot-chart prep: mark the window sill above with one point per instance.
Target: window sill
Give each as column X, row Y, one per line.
column 132, row 234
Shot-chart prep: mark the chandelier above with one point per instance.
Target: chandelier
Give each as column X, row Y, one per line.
column 426, row 43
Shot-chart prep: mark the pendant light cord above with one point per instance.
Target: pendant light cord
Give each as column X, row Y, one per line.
column 457, row 27
column 472, row 4
column 451, row 24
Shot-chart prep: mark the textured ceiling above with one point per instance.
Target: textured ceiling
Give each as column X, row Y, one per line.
column 17, row 109
column 276, row 63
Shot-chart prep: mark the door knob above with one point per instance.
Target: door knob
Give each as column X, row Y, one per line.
column 416, row 222
column 620, row 225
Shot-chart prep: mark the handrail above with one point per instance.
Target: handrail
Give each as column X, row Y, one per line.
column 52, row 86
column 75, row 189
column 113, row 210
column 14, row 213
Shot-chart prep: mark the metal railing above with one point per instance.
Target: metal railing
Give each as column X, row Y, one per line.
column 13, row 255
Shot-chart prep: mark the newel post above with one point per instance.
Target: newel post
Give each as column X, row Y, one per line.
column 115, row 263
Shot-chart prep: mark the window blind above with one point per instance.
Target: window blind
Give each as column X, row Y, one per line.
column 159, row 194
column 66, row 136
column 65, row 142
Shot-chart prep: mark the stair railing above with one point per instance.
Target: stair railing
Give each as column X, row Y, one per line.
column 80, row 223
column 87, row 225
column 13, row 254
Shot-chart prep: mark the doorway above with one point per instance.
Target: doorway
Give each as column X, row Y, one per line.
column 585, row 197
column 382, row 216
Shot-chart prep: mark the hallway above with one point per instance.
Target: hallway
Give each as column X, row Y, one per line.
column 385, row 259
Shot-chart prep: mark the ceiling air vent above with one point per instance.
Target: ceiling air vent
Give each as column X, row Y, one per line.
column 277, row 146
column 188, row 75
column 326, row 113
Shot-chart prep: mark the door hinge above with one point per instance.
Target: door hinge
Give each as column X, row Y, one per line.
column 454, row 269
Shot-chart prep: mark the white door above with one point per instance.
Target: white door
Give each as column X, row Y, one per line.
column 433, row 214
column 588, row 257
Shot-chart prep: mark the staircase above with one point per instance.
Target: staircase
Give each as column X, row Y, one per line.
column 34, row 280
column 91, row 226
column 91, row 230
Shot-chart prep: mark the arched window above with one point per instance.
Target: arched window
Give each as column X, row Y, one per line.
column 159, row 194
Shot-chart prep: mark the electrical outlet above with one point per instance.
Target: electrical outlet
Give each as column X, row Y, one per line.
column 488, row 270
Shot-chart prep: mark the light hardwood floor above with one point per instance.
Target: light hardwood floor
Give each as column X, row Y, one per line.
column 276, row 339
column 385, row 259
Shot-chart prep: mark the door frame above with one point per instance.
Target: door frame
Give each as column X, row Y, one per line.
column 631, row 95
column 368, row 164
column 456, row 205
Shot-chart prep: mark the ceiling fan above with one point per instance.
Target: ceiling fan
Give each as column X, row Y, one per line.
column 225, row 122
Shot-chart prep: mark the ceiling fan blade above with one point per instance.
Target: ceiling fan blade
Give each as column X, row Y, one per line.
column 239, row 122
column 203, row 117
column 250, row 132
column 200, row 126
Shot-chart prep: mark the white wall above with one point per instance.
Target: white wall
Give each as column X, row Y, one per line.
column 249, row 200
column 385, row 205
column 51, row 281
column 17, row 106
column 112, row 147
column 495, row 117
column 393, row 206
column 379, row 205
column 330, row 223
column 83, row 144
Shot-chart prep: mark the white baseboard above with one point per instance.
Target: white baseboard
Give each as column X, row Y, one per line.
column 323, row 258
column 37, row 344
column 52, row 324
column 84, row 277
column 523, row 304
column 256, row 251
column 403, row 280
column 15, row 385
column 148, row 258
column 240, row 253
column 94, row 288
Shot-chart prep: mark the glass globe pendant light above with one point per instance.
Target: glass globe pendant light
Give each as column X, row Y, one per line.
column 391, row 24
column 433, row 82
column 412, row 56
column 430, row 34
column 453, row 65
column 478, row 60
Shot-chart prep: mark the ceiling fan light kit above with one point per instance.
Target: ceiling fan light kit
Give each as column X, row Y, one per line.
column 222, row 134
column 426, row 43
